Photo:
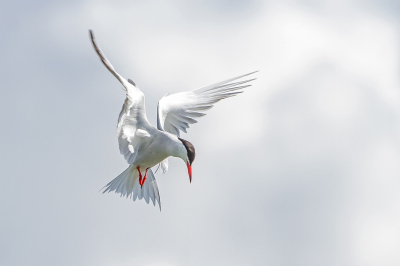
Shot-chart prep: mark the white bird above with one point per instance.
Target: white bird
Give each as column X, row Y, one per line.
column 145, row 146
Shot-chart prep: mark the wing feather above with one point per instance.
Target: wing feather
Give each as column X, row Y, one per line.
column 176, row 112
column 179, row 110
column 132, row 120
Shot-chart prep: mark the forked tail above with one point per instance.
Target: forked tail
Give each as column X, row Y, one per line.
column 127, row 184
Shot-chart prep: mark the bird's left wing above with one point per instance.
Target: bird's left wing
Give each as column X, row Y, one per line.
column 132, row 122
column 176, row 111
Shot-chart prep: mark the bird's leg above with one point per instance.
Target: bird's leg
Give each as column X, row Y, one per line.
column 140, row 176
column 145, row 176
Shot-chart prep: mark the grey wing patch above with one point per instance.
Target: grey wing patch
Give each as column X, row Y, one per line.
column 131, row 82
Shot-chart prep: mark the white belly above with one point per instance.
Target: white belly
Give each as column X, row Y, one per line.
column 151, row 156
column 149, row 159
column 162, row 146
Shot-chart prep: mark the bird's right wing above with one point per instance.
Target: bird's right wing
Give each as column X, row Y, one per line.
column 107, row 63
column 132, row 121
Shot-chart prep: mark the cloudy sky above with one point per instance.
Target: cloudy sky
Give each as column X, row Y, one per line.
column 301, row 169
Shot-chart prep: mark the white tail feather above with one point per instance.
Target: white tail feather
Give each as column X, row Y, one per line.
column 127, row 184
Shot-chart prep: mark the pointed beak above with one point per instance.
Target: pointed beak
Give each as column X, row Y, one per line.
column 189, row 167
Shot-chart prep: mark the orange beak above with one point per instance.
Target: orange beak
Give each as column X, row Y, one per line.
column 189, row 171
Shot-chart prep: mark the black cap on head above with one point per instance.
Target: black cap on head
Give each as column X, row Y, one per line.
column 191, row 153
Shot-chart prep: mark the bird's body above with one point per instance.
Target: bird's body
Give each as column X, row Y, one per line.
column 145, row 146
column 161, row 145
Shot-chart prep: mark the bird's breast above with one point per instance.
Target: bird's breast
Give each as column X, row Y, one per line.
column 151, row 156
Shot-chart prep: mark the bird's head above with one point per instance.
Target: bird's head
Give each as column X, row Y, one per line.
column 188, row 158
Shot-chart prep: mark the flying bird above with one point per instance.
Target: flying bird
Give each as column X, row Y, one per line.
column 144, row 146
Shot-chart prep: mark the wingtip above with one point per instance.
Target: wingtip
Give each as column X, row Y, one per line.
column 252, row 72
column 91, row 35
column 245, row 75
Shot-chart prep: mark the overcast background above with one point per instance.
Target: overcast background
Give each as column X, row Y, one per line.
column 301, row 169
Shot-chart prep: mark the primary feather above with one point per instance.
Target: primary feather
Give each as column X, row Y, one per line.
column 175, row 112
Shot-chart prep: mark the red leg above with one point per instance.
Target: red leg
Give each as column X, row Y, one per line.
column 140, row 176
column 145, row 176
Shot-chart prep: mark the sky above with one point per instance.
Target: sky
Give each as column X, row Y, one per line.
column 303, row 168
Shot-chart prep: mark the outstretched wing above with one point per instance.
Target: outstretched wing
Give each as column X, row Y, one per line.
column 132, row 122
column 175, row 112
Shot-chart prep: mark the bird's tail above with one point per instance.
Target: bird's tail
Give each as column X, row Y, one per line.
column 127, row 184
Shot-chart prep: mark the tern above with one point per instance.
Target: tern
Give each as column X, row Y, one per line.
column 144, row 146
